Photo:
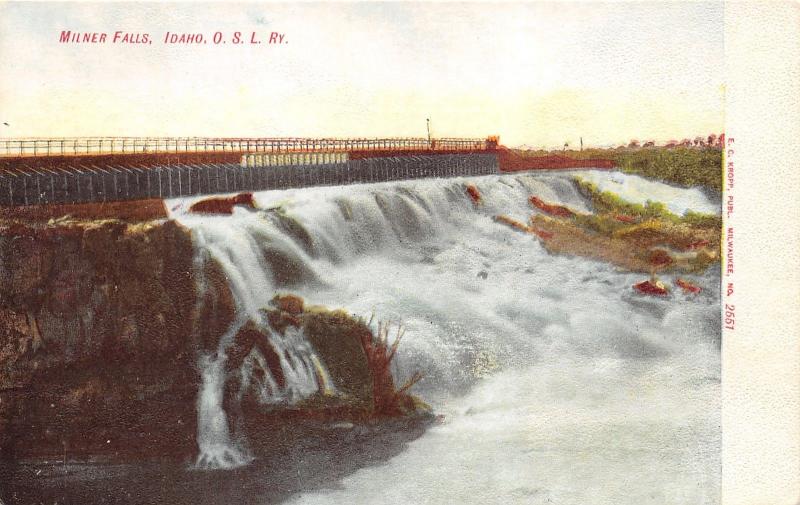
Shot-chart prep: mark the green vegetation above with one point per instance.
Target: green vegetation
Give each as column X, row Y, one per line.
column 639, row 237
column 606, row 202
column 644, row 247
column 681, row 165
column 684, row 166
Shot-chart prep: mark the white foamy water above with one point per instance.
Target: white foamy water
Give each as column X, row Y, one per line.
column 217, row 450
column 236, row 245
column 558, row 383
column 637, row 189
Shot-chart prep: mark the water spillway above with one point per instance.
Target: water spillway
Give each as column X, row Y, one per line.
column 554, row 378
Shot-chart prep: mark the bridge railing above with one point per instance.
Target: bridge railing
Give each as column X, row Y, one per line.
column 124, row 145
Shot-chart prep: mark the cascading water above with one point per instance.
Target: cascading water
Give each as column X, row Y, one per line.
column 557, row 382
column 213, row 434
column 237, row 250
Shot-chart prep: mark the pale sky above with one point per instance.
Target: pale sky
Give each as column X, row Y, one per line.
column 539, row 74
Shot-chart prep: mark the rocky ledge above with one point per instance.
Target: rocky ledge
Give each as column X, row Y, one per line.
column 101, row 328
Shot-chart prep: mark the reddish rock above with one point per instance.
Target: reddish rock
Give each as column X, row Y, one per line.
column 474, row 194
column 292, row 304
column 553, row 210
column 650, row 287
column 688, row 287
column 542, row 234
column 222, row 205
column 517, row 225
column 624, row 218
column 513, row 223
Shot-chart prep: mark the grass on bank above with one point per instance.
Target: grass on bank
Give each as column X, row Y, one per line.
column 683, row 166
column 639, row 237
column 606, row 202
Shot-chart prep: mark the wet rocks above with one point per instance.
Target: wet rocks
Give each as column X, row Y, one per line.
column 687, row 286
column 517, row 225
column 652, row 288
column 251, row 337
column 337, row 337
column 511, row 222
column 222, row 205
column 474, row 194
column 355, row 361
column 553, row 210
column 215, row 309
column 293, row 228
column 288, row 303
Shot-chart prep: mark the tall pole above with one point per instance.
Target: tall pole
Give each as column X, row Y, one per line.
column 428, row 124
column 581, row 143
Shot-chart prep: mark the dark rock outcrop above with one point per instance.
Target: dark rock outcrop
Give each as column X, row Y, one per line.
column 97, row 349
column 356, row 360
column 102, row 324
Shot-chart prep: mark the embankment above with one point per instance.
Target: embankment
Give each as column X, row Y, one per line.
column 513, row 161
column 136, row 210
column 103, row 325
column 97, row 349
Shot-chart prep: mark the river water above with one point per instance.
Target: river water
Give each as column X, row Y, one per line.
column 556, row 383
column 553, row 381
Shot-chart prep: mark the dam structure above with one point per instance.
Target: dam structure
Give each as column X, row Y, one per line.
column 87, row 170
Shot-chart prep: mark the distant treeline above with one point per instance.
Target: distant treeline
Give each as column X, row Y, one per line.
column 685, row 166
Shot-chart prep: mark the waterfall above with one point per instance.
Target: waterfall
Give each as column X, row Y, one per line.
column 237, row 250
column 213, row 435
column 474, row 296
